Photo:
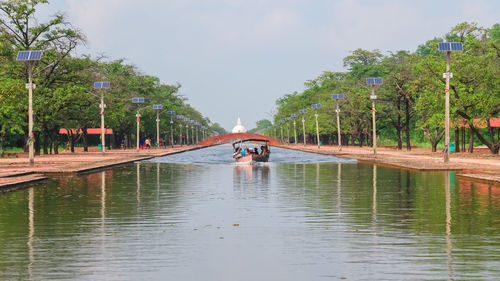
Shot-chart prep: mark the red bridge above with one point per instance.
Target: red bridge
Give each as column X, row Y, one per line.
column 225, row 138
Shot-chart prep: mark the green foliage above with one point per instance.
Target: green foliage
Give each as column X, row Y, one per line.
column 411, row 100
column 64, row 97
column 261, row 125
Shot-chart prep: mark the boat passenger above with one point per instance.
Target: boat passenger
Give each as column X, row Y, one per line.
column 256, row 150
column 244, row 151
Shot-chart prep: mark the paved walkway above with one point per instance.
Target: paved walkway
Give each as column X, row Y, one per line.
column 15, row 171
column 478, row 165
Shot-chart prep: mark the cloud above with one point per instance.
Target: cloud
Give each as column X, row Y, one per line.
column 235, row 49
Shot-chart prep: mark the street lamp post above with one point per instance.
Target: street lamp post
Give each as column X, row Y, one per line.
column 294, row 115
column 337, row 97
column 197, row 125
column 180, row 117
column 372, row 82
column 138, row 115
column 138, row 122
column 187, row 130
column 317, row 106
column 448, row 47
column 102, row 85
column 29, row 58
column 303, row 111
column 287, row 119
column 157, row 107
column 192, row 131
column 281, row 129
column 171, row 113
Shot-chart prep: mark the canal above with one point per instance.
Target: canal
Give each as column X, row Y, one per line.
column 199, row 216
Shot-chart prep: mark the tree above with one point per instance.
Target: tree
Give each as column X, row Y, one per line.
column 261, row 125
column 22, row 31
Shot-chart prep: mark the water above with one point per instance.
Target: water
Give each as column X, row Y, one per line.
column 198, row 216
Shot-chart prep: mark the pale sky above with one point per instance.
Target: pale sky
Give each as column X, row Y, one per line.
column 236, row 57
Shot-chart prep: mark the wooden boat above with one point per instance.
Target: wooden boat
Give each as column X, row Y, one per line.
column 263, row 156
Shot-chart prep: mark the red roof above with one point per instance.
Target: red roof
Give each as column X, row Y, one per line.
column 90, row 131
column 479, row 123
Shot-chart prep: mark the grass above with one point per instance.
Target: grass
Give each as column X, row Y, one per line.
column 13, row 150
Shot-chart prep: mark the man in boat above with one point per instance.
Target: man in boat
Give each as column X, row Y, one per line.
column 237, row 152
column 264, row 150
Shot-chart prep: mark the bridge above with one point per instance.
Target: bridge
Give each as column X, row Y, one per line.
column 230, row 137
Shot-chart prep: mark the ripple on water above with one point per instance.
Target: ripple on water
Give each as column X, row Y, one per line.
column 222, row 154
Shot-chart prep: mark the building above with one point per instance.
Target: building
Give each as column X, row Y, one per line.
column 239, row 128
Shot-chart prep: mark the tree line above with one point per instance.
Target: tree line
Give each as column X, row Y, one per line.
column 64, row 96
column 410, row 102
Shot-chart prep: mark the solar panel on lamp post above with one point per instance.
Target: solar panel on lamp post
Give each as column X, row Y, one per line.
column 338, row 97
column 294, row 115
column 303, row 112
column 448, row 47
column 373, row 82
column 138, row 100
column 317, row 106
column 102, row 85
column 29, row 58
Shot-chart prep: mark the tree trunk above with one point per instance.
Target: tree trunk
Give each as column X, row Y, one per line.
column 85, row 139
column 38, row 146
column 434, row 146
column 45, row 142
column 457, row 139
column 56, row 141
column 399, row 130
column 72, row 144
column 407, row 124
column 2, row 140
column 471, row 143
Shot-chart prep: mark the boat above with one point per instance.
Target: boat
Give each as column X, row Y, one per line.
column 250, row 157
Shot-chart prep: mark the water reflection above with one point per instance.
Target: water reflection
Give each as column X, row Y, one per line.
column 339, row 188
column 278, row 221
column 251, row 175
column 449, row 243
column 374, row 199
column 138, row 175
column 31, row 231
column 103, row 198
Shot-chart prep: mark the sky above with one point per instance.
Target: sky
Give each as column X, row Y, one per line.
column 236, row 57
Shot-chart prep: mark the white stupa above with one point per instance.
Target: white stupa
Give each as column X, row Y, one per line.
column 239, row 128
